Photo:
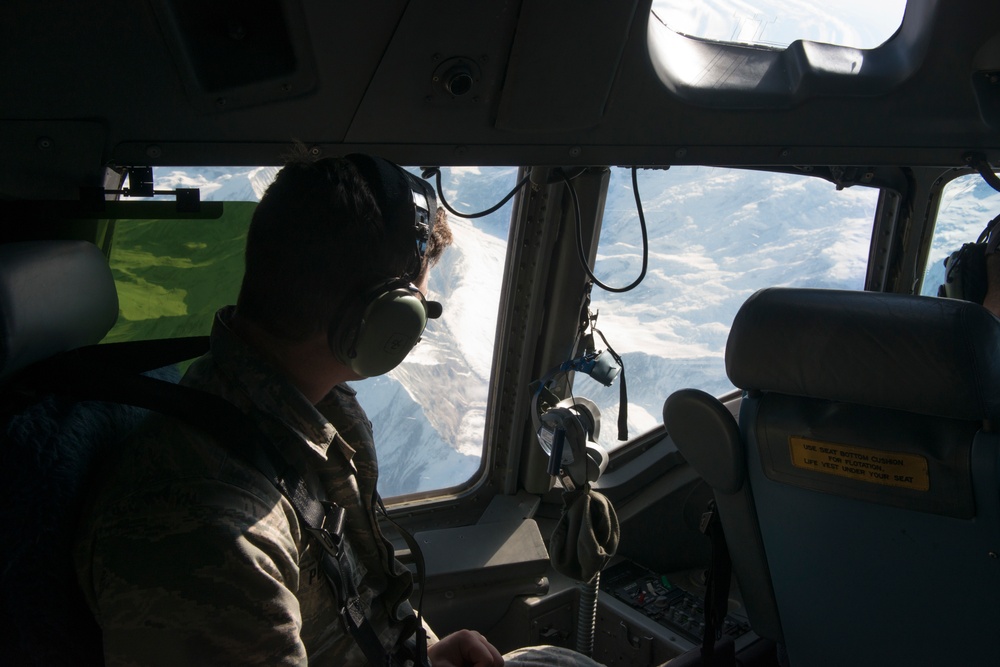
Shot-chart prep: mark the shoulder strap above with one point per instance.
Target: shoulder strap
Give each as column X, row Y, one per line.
column 714, row 652
column 113, row 373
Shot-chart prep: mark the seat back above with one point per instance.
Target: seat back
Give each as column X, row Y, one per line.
column 54, row 297
column 706, row 433
column 872, row 474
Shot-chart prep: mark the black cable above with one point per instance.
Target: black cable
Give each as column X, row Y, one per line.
column 418, row 560
column 428, row 171
column 622, row 390
column 415, row 553
column 579, row 236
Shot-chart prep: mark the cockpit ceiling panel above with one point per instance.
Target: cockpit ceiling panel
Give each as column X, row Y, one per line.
column 486, row 82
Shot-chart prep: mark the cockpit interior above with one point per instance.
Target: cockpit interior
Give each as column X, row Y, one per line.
column 716, row 318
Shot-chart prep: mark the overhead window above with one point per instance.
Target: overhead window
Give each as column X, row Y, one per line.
column 863, row 24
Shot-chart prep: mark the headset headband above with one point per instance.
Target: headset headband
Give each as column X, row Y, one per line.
column 405, row 200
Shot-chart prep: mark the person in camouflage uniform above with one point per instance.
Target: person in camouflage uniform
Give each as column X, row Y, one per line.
column 188, row 554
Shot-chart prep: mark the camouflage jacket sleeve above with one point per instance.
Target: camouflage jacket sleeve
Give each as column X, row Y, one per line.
column 197, row 571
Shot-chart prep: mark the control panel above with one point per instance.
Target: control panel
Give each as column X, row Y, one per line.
column 664, row 602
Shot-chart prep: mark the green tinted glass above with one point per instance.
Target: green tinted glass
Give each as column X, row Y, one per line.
column 172, row 275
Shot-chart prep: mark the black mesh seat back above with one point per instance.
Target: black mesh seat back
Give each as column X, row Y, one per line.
column 54, row 297
column 49, row 452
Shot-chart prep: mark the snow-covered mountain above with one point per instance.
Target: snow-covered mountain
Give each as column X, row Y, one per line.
column 219, row 183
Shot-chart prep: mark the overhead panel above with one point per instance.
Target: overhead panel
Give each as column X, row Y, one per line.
column 440, row 76
column 233, row 54
column 563, row 64
column 51, row 156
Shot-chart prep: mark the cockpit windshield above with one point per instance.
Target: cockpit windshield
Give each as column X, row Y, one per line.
column 716, row 236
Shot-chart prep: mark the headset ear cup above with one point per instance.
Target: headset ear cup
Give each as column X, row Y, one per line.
column 341, row 335
column 388, row 327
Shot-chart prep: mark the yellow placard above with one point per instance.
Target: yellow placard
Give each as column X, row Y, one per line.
column 860, row 463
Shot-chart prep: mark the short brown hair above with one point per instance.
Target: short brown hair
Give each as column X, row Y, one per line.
column 440, row 239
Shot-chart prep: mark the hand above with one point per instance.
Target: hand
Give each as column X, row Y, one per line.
column 464, row 648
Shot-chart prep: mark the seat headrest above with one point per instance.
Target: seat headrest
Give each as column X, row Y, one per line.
column 920, row 354
column 54, row 296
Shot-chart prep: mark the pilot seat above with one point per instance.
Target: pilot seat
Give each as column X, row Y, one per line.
column 859, row 490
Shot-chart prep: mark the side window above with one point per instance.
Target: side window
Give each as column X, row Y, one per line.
column 715, row 237
column 429, row 413
column 967, row 205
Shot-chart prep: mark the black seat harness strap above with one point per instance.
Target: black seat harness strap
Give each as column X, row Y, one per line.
column 420, row 647
column 112, row 373
column 716, row 592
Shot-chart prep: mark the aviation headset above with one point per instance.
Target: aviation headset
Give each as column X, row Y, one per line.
column 375, row 331
column 568, row 431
